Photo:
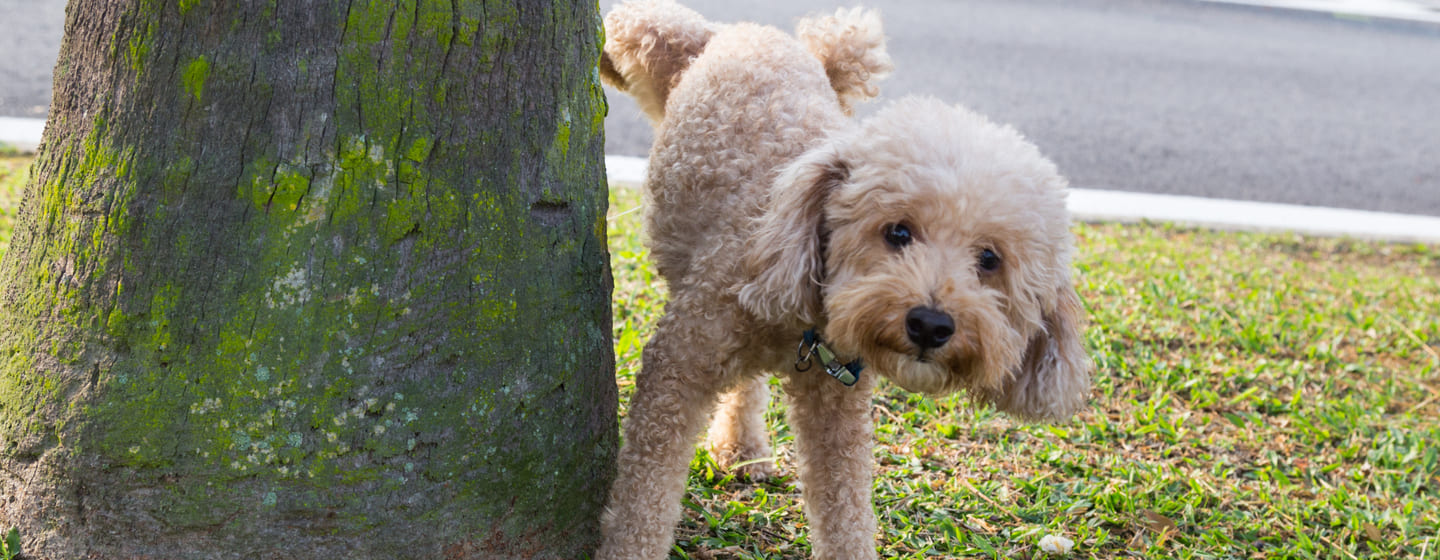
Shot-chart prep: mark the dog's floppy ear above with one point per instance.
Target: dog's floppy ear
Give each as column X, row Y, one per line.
column 1053, row 381
column 784, row 264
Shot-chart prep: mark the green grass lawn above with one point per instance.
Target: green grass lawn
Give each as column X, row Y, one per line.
column 1257, row 396
column 13, row 171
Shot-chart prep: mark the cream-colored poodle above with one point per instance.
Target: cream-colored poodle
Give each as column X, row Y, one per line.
column 926, row 243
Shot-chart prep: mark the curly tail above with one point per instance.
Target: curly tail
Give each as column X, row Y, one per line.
column 851, row 45
column 648, row 44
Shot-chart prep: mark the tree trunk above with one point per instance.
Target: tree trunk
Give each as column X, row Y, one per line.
column 312, row 279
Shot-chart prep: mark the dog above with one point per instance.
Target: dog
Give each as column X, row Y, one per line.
column 924, row 244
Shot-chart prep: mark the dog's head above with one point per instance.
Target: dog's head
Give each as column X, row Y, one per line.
column 935, row 245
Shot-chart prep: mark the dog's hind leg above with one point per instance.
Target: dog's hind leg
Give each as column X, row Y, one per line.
column 834, row 457
column 738, row 433
column 671, row 403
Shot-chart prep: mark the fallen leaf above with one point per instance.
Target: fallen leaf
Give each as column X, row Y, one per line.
column 1156, row 522
column 1372, row 532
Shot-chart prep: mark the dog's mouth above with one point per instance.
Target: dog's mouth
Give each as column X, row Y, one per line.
column 937, row 370
column 877, row 333
column 958, row 364
column 919, row 354
column 883, row 344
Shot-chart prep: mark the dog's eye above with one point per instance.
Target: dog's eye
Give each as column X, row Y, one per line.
column 898, row 235
column 989, row 261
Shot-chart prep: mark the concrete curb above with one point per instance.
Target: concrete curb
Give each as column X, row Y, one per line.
column 1092, row 205
column 1425, row 12
column 1238, row 215
column 21, row 134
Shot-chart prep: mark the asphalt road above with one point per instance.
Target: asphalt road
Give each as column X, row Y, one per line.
column 1161, row 96
column 30, row 32
column 1167, row 96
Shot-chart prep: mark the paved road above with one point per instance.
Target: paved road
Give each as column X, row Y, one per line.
column 30, row 32
column 1162, row 96
column 1175, row 97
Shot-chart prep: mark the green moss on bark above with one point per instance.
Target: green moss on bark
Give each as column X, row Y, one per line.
column 195, row 73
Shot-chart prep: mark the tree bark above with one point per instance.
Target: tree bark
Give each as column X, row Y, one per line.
column 312, row 279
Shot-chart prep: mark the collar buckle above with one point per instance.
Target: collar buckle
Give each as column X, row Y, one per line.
column 811, row 347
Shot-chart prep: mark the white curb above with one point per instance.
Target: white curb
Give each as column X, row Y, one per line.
column 21, row 134
column 1115, row 206
column 1413, row 10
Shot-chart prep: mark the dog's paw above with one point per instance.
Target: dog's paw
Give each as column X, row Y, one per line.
column 755, row 470
column 747, row 462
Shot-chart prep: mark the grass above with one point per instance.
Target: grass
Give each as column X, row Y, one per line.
column 1257, row 396
column 13, row 172
column 10, row 545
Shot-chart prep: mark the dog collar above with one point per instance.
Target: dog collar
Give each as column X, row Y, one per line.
column 811, row 346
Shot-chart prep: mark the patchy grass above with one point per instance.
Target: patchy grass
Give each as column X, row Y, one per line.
column 13, row 173
column 1257, row 396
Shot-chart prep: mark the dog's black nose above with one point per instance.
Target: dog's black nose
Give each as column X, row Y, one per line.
column 928, row 327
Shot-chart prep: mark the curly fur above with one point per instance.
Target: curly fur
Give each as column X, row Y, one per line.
column 766, row 212
column 648, row 44
column 852, row 48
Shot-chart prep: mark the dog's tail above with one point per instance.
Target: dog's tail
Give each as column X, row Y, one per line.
column 851, row 45
column 648, row 44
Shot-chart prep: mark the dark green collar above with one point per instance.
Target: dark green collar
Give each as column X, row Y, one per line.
column 811, row 346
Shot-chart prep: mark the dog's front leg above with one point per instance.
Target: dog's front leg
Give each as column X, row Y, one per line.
column 673, row 398
column 834, row 440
